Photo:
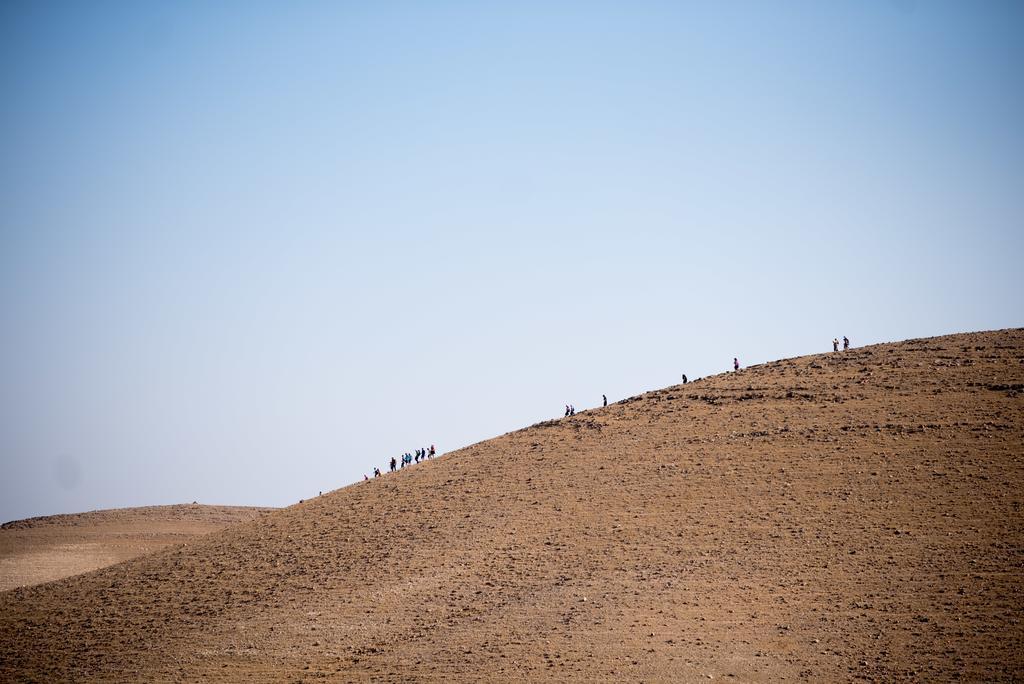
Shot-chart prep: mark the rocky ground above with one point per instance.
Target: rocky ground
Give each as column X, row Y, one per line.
column 845, row 516
column 44, row 549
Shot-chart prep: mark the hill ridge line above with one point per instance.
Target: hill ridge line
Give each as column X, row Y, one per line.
column 817, row 518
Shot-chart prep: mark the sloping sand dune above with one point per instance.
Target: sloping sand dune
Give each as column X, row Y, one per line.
column 44, row 549
column 854, row 515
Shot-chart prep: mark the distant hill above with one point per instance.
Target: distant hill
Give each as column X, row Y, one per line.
column 851, row 515
column 44, row 549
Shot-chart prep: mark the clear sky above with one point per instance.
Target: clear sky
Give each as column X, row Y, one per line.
column 250, row 250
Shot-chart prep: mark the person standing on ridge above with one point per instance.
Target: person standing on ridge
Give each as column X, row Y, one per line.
column 432, row 451
column 835, row 344
column 846, row 342
column 684, row 379
column 605, row 398
column 735, row 363
column 393, row 464
column 567, row 409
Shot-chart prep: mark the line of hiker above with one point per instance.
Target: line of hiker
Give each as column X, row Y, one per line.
column 407, row 459
column 570, row 410
column 422, row 454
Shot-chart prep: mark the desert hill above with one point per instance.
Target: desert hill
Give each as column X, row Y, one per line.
column 44, row 549
column 851, row 515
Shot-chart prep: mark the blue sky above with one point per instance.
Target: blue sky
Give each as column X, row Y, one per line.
column 250, row 250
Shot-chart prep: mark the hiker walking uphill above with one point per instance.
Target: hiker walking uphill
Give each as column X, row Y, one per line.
column 407, row 459
column 605, row 398
column 735, row 364
column 846, row 342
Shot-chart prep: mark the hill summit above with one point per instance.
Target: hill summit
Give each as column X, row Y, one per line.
column 846, row 515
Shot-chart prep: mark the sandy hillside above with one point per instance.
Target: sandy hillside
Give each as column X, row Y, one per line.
column 44, row 549
column 846, row 516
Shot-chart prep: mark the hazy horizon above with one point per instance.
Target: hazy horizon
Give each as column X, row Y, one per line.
column 251, row 251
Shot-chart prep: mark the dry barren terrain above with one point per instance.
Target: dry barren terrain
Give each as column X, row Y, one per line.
column 845, row 516
column 44, row 549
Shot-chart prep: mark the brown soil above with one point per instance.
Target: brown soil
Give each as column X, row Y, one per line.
column 854, row 515
column 41, row 550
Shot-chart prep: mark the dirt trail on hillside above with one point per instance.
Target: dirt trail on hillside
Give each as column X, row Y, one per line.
column 854, row 515
column 49, row 548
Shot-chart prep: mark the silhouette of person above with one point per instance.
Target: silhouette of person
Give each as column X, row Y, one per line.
column 566, row 409
column 835, row 344
column 846, row 342
column 432, row 452
column 394, row 463
column 605, row 397
column 735, row 364
column 572, row 410
column 684, row 379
